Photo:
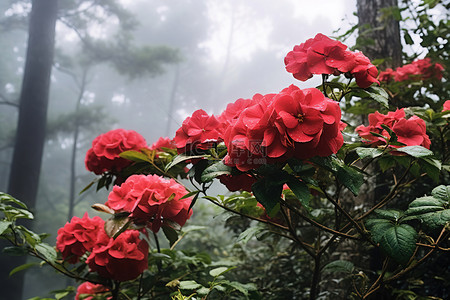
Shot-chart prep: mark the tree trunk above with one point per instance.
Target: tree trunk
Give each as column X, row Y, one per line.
column 30, row 134
column 379, row 31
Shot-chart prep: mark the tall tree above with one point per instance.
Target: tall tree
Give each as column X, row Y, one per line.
column 30, row 136
column 379, row 30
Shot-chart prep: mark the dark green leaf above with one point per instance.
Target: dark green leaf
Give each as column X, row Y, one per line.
column 390, row 214
column 368, row 152
column 136, row 156
column 415, row 151
column 339, row 266
column 350, row 178
column 15, row 251
column 181, row 158
column 47, row 251
column 171, row 234
column 22, row 267
column 220, row 270
column 300, row 190
column 442, row 192
column 436, row 220
column 399, row 242
column 215, row 170
column 378, row 228
column 267, row 193
column 189, row 285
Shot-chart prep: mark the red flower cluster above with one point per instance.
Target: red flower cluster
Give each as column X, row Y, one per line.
column 322, row 55
column 446, row 105
column 151, row 199
column 411, row 132
column 240, row 182
column 78, row 237
column 87, row 288
column 200, row 131
column 294, row 123
column 420, row 69
column 121, row 259
column 104, row 154
column 163, row 143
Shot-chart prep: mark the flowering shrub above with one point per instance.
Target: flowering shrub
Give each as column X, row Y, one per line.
column 421, row 69
column 284, row 158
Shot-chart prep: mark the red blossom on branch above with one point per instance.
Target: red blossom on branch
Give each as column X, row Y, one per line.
column 78, row 236
column 120, row 259
column 200, row 131
column 152, row 200
column 87, row 288
column 104, row 154
column 322, row 55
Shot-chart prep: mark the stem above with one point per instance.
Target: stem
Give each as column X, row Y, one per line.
column 316, row 279
column 115, row 291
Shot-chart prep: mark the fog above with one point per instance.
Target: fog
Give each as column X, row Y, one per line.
column 225, row 50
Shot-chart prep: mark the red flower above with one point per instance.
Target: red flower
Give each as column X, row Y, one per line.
column 163, row 143
column 104, row 154
column 411, row 132
column 421, row 69
column 233, row 110
column 78, row 237
column 322, row 55
column 151, row 199
column 300, row 123
column 120, row 259
column 386, row 75
column 87, row 288
column 364, row 72
column 446, row 105
column 311, row 122
column 241, row 182
column 200, row 131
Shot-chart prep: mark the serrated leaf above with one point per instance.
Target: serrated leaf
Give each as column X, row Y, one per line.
column 378, row 94
column 267, row 192
column 415, row 151
column 249, row 233
column 300, row 190
column 368, row 152
column 399, row 242
column 390, row 214
column 189, row 285
column 424, row 205
column 436, row 220
column 215, row 170
column 378, row 228
column 350, row 178
column 22, row 267
column 339, row 266
column 442, row 192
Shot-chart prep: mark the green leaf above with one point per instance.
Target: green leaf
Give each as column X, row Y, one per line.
column 368, row 152
column 47, row 251
column 5, row 198
column 442, row 192
column 219, row 271
column 189, row 285
column 215, row 170
column 399, row 242
column 300, row 189
column 22, row 267
column 350, row 178
column 267, row 192
column 242, row 288
column 390, row 214
column 181, row 158
column 134, row 155
column 343, row 266
column 407, row 38
column 171, row 234
column 116, row 225
column 378, row 228
column 15, row 251
column 378, row 94
column 4, row 225
column 436, row 220
column 424, row 205
column 415, row 151
column 249, row 233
